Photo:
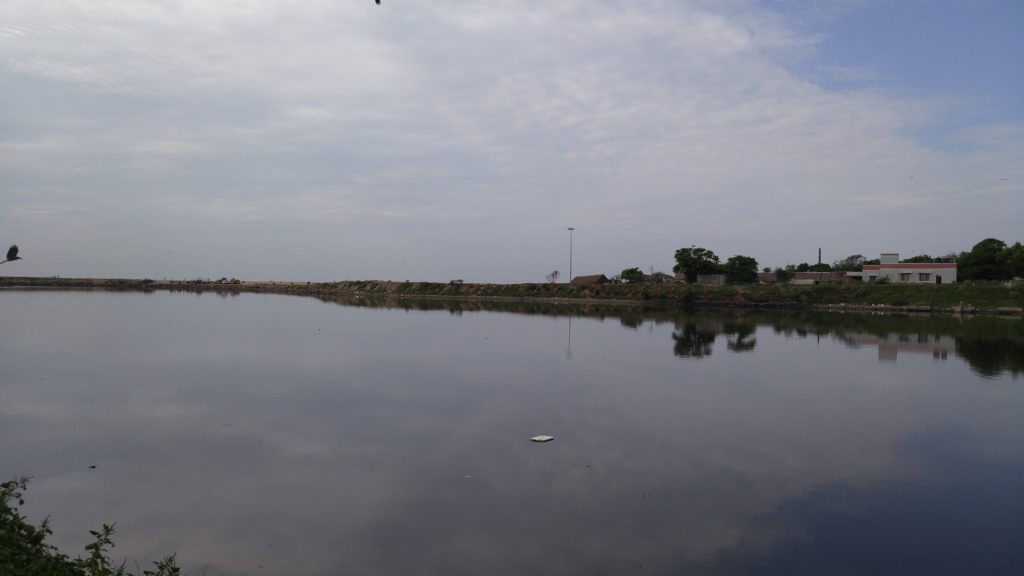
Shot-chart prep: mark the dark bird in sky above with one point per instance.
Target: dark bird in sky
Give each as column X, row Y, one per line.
column 378, row 2
column 12, row 254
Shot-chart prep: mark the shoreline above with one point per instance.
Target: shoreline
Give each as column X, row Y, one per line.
column 961, row 299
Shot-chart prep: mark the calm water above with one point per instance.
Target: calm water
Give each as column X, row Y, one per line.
column 262, row 434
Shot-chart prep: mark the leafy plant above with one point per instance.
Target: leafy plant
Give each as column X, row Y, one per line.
column 25, row 552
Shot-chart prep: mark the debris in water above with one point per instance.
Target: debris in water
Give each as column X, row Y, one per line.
column 92, row 467
column 542, row 438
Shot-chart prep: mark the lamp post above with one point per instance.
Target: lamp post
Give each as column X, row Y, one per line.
column 570, row 253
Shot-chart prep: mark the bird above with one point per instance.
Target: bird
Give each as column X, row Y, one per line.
column 12, row 254
column 378, row 2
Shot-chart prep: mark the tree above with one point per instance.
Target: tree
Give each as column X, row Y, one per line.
column 923, row 259
column 740, row 270
column 693, row 261
column 1015, row 260
column 632, row 275
column 553, row 276
column 985, row 261
column 851, row 263
column 784, row 275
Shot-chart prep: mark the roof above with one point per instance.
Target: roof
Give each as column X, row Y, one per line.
column 585, row 280
column 911, row 265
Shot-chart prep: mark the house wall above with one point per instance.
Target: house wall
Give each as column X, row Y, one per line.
column 711, row 279
column 911, row 273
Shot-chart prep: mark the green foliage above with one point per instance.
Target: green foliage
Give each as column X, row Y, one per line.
column 784, row 275
column 632, row 276
column 851, row 263
column 740, row 270
column 693, row 261
column 24, row 551
column 1014, row 260
column 922, row 259
column 985, row 261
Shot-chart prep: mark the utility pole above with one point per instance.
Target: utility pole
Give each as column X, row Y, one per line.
column 570, row 252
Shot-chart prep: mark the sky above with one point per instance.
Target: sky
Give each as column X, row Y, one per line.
column 439, row 139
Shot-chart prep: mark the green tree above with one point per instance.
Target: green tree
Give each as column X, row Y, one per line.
column 632, row 275
column 851, row 263
column 693, row 261
column 784, row 275
column 924, row 259
column 740, row 270
column 1015, row 260
column 985, row 261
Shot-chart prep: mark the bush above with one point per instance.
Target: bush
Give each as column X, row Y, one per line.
column 24, row 551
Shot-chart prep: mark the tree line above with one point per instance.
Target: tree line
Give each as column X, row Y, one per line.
column 990, row 259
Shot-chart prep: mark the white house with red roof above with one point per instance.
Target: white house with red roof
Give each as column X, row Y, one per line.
column 892, row 270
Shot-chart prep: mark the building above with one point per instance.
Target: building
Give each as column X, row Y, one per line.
column 811, row 278
column 711, row 279
column 892, row 270
column 589, row 280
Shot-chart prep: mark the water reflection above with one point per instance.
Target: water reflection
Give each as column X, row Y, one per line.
column 693, row 340
column 285, row 435
column 990, row 345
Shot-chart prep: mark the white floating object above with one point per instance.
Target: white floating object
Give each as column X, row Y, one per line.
column 542, row 438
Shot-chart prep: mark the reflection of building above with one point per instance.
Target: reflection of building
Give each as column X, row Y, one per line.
column 892, row 270
column 890, row 345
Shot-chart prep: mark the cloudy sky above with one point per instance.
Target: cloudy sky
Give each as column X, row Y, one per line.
column 441, row 139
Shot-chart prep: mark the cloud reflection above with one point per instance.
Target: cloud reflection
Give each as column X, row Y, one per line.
column 288, row 435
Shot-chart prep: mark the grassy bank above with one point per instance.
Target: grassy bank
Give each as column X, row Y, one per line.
column 972, row 297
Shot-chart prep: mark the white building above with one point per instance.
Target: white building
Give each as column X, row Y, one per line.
column 892, row 270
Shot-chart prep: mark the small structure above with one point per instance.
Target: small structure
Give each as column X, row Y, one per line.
column 766, row 278
column 711, row 279
column 660, row 278
column 810, row 278
column 589, row 280
column 892, row 270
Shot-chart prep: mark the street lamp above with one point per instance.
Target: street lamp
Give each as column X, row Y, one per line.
column 570, row 253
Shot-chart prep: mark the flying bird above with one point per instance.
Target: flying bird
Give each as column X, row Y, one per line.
column 12, row 254
column 378, row 2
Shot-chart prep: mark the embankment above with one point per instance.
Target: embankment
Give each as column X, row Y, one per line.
column 970, row 298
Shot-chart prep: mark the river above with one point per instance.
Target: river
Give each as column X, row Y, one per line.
column 269, row 434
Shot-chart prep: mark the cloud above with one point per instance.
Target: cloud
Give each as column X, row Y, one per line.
column 648, row 125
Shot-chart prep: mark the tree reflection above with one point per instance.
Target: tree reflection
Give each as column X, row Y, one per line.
column 693, row 342
column 740, row 337
column 990, row 345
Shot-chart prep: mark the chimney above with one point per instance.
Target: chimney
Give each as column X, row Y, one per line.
column 819, row 255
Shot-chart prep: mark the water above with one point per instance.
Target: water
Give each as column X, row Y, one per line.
column 261, row 434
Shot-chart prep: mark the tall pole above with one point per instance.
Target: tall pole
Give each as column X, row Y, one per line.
column 570, row 253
